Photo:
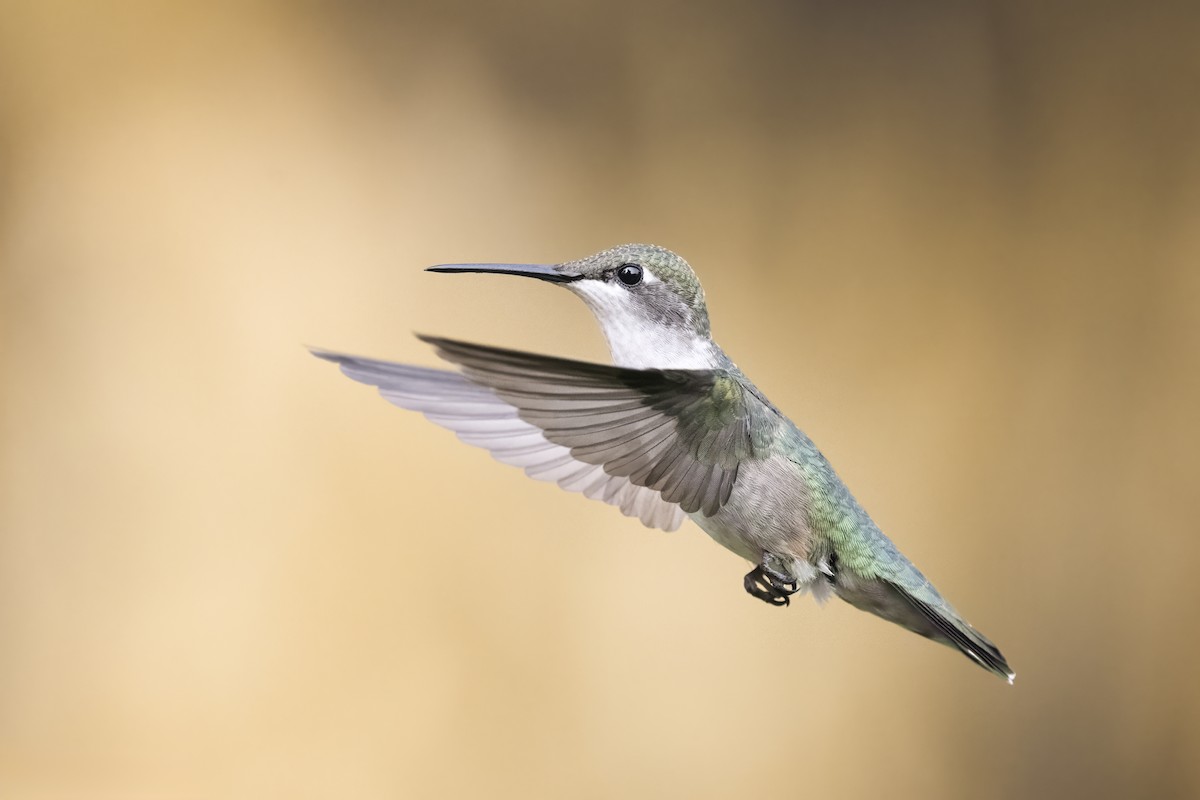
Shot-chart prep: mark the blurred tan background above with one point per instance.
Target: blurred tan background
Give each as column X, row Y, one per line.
column 958, row 243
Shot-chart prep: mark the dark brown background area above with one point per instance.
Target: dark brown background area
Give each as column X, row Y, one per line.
column 957, row 242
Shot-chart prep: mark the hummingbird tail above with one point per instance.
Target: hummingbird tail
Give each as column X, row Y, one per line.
column 945, row 626
column 934, row 620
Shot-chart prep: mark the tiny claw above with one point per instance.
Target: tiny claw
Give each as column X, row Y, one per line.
column 759, row 584
column 776, row 577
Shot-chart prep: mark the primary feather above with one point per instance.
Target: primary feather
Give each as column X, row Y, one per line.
column 482, row 419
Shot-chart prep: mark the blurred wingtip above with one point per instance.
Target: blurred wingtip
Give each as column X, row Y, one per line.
column 322, row 353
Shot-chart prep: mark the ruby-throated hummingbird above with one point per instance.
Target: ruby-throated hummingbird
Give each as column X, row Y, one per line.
column 673, row 430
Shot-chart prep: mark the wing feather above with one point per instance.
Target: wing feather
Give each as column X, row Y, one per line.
column 482, row 419
column 632, row 438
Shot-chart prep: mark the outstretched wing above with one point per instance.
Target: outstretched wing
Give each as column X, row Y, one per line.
column 682, row 433
column 482, row 419
column 631, row 437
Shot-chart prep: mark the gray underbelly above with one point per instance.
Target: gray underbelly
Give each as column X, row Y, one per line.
column 767, row 512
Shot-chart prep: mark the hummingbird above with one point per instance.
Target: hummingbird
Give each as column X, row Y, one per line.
column 672, row 430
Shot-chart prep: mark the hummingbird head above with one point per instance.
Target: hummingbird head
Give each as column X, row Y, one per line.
column 647, row 299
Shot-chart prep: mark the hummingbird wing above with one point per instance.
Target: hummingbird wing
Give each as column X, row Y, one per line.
column 681, row 433
column 482, row 419
column 656, row 443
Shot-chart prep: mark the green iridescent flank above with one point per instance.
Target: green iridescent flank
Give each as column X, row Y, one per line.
column 860, row 546
column 834, row 518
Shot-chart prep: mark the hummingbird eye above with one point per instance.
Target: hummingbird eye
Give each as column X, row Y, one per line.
column 629, row 274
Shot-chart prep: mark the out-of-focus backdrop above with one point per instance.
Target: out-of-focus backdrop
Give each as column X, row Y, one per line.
column 958, row 243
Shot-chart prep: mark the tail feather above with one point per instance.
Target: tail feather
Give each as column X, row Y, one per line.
column 934, row 620
column 957, row 632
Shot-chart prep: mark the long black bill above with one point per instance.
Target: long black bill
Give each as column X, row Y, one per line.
column 543, row 272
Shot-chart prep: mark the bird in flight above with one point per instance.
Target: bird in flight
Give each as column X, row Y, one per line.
column 672, row 430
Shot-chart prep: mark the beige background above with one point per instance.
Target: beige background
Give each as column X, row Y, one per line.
column 958, row 243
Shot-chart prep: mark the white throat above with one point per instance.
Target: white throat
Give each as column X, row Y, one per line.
column 640, row 343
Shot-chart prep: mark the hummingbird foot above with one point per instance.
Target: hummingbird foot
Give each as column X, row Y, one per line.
column 777, row 572
column 770, row 586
